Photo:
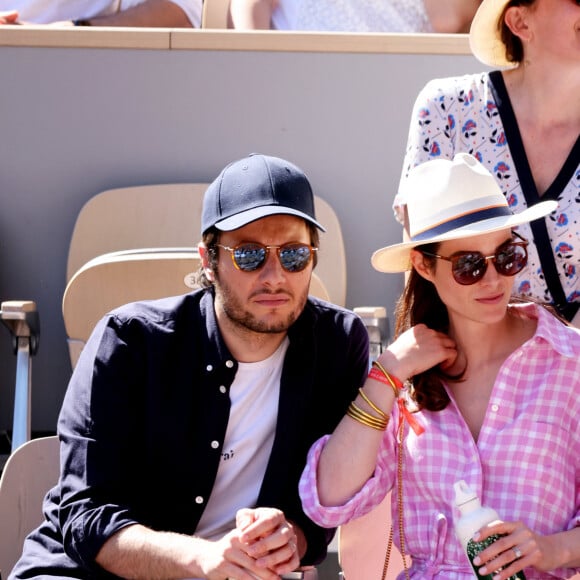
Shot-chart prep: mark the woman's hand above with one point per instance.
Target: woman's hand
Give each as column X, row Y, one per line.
column 518, row 548
column 417, row 350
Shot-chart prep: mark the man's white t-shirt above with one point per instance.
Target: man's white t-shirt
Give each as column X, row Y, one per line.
column 47, row 11
column 254, row 396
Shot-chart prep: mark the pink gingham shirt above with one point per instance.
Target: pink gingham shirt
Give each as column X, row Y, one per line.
column 525, row 464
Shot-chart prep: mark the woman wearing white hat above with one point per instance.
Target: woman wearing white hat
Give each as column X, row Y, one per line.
column 523, row 124
column 495, row 385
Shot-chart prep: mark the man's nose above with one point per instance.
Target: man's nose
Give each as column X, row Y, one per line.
column 272, row 268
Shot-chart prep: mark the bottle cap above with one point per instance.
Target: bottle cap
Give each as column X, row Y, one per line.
column 463, row 493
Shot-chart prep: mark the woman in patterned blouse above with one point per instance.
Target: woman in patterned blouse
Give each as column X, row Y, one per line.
column 523, row 123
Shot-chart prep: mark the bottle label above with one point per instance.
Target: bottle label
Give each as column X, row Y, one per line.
column 473, row 549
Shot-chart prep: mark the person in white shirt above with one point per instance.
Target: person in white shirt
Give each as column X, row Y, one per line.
column 354, row 15
column 142, row 13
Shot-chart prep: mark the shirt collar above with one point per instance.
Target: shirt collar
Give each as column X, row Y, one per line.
column 562, row 338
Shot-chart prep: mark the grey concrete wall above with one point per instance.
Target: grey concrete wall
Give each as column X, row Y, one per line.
column 76, row 121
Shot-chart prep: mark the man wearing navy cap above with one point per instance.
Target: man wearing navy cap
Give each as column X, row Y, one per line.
column 187, row 421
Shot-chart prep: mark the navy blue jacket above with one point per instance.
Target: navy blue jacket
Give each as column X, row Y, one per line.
column 150, row 394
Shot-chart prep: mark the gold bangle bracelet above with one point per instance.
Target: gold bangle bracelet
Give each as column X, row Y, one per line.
column 364, row 422
column 361, row 416
column 389, row 378
column 372, row 405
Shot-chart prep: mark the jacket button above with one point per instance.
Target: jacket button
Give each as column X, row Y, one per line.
column 199, row 499
column 222, row 389
column 215, row 444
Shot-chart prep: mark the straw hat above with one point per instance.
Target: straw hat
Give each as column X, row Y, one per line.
column 485, row 34
column 447, row 200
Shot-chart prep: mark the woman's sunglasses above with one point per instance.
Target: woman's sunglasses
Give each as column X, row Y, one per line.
column 470, row 267
column 249, row 257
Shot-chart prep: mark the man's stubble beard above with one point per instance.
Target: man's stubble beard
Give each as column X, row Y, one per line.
column 239, row 317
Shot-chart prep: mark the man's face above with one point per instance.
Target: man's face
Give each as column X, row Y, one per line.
column 269, row 299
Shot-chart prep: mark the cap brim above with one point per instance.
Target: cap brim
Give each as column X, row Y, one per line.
column 245, row 217
column 396, row 258
column 484, row 34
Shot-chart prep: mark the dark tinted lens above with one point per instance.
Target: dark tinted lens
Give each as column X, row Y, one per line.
column 468, row 267
column 510, row 259
column 249, row 257
column 295, row 257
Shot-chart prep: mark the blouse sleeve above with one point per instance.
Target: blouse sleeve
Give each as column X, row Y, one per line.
column 362, row 502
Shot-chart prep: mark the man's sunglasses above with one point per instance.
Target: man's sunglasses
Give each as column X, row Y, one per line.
column 249, row 257
column 470, row 267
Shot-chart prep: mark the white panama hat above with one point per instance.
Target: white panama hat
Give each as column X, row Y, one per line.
column 485, row 34
column 447, row 200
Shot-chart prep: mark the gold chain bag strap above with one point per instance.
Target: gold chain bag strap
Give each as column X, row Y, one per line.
column 400, row 434
column 418, row 429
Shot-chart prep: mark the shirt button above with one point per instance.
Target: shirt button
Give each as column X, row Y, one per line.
column 495, row 407
column 199, row 499
column 229, row 364
column 215, row 444
column 222, row 389
column 209, row 368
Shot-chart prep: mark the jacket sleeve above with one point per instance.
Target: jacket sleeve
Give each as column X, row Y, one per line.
column 96, row 429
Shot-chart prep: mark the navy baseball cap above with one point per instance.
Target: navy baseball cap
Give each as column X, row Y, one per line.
column 255, row 187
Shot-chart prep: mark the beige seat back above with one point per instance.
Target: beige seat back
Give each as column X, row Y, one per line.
column 362, row 545
column 149, row 216
column 116, row 278
column 28, row 474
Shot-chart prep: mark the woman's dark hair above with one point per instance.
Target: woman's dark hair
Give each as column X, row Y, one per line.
column 514, row 49
column 211, row 239
column 420, row 303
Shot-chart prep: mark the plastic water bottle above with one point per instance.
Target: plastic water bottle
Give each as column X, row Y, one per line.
column 473, row 517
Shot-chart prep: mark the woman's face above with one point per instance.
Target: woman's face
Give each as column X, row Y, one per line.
column 484, row 301
column 548, row 29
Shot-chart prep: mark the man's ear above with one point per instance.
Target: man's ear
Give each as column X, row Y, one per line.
column 205, row 263
column 421, row 266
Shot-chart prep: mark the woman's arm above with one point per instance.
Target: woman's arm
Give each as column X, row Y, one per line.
column 349, row 457
column 252, row 14
column 150, row 13
column 451, row 16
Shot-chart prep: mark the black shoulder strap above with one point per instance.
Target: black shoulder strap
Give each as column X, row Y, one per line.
column 541, row 238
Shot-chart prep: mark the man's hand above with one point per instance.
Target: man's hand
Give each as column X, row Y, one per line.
column 139, row 552
column 270, row 539
column 229, row 558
